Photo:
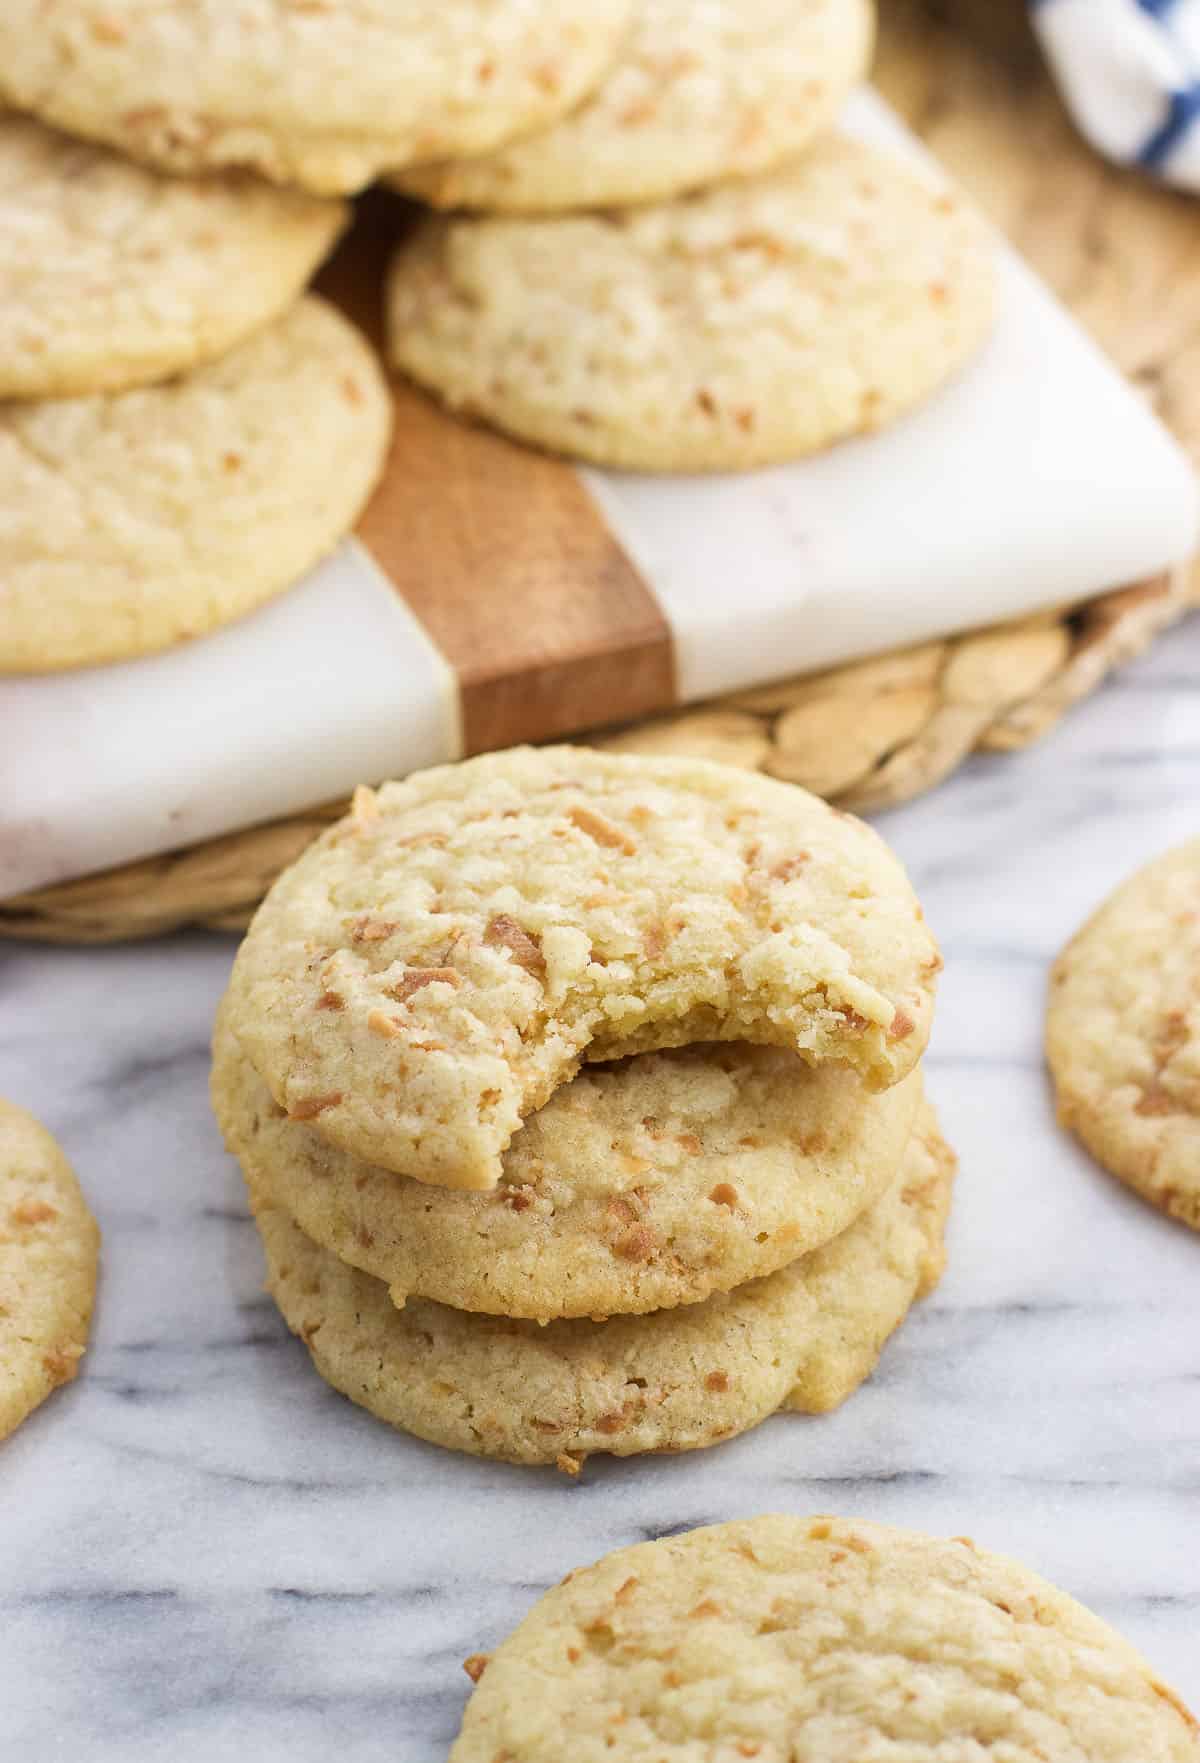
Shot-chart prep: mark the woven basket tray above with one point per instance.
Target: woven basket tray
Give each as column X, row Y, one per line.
column 1124, row 255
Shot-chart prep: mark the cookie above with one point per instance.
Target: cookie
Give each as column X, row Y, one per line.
column 756, row 322
column 1123, row 1033
column 112, row 276
column 699, row 94
column 137, row 519
column 676, row 1380
column 317, row 95
column 49, row 1250
column 647, row 1183
column 440, row 961
column 816, row 1640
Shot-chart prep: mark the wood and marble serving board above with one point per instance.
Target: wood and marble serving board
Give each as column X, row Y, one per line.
column 494, row 595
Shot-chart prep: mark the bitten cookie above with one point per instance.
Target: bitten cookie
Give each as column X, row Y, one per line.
column 700, row 94
column 49, row 1250
column 649, row 1182
column 757, row 322
column 676, row 1380
column 137, row 519
column 320, row 95
column 439, row 962
column 816, row 1640
column 112, row 275
column 1123, row 1033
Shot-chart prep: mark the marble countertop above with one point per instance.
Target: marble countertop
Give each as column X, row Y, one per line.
column 206, row 1555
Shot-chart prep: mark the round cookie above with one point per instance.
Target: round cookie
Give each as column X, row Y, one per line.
column 112, row 275
column 753, row 323
column 325, row 96
column 1123, row 1033
column 816, row 1640
column 137, row 519
column 700, row 93
column 640, row 1185
column 49, row 1250
column 676, row 1380
column 435, row 965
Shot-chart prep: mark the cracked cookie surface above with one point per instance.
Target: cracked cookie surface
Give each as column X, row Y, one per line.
column 325, row 96
column 433, row 967
column 753, row 323
column 1123, row 1033
column 816, row 1640
column 113, row 276
column 646, row 1183
column 137, row 519
column 49, row 1251
column 700, row 94
column 676, row 1380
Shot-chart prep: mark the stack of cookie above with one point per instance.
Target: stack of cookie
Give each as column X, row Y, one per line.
column 694, row 270
column 184, row 431
column 672, row 264
column 183, row 434
column 578, row 1099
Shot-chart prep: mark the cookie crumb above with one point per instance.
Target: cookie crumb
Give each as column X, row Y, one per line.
column 603, row 831
column 29, row 1212
column 526, row 951
column 372, row 930
column 62, row 1362
column 308, row 1107
column 417, row 977
column 364, row 808
column 638, row 1243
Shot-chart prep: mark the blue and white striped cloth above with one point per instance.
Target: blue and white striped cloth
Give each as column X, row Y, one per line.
column 1130, row 73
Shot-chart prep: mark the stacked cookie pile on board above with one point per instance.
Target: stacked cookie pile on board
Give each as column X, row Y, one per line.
column 578, row 1099
column 674, row 262
column 183, row 432
column 694, row 270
